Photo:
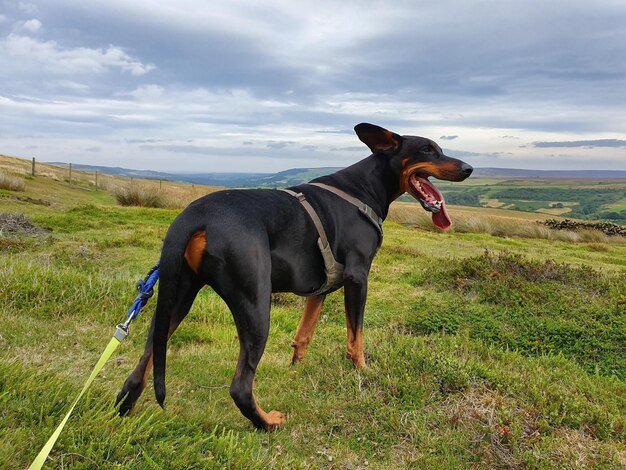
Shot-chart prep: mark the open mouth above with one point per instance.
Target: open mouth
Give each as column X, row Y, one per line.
column 431, row 200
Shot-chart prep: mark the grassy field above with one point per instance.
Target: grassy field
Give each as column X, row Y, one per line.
column 578, row 198
column 493, row 345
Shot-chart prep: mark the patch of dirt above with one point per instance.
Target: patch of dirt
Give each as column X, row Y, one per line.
column 18, row 224
column 30, row 200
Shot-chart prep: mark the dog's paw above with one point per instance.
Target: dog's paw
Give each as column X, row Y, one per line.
column 296, row 358
column 128, row 396
column 274, row 420
column 127, row 403
column 357, row 360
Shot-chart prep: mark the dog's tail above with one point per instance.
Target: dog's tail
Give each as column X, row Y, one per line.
column 171, row 265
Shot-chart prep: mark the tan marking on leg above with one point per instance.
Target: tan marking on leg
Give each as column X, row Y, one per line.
column 355, row 346
column 358, row 358
column 273, row 420
column 195, row 249
column 146, row 372
column 306, row 328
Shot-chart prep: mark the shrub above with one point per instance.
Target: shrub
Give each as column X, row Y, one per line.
column 12, row 183
column 141, row 197
column 607, row 228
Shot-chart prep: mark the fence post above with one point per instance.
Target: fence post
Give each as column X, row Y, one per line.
column 70, row 174
column 32, row 172
column 96, row 180
column 160, row 185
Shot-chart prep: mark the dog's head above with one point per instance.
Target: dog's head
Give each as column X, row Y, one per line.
column 414, row 160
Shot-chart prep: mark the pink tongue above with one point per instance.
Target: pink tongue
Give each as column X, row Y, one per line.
column 441, row 219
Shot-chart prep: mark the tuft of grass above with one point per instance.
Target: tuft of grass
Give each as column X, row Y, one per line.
column 141, row 197
column 11, row 183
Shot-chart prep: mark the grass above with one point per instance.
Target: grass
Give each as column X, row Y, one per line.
column 533, row 307
column 11, row 183
column 507, row 358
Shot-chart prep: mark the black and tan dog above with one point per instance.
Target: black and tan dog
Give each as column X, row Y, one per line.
column 247, row 244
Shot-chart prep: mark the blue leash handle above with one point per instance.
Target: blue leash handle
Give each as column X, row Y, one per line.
column 146, row 290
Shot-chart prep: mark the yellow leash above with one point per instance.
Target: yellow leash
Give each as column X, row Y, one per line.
column 120, row 334
column 145, row 288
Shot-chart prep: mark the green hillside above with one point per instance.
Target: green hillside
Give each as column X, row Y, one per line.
column 577, row 198
column 498, row 344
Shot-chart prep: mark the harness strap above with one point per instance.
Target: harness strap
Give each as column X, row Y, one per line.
column 332, row 268
column 366, row 210
column 314, row 217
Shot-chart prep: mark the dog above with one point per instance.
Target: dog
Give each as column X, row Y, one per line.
column 310, row 239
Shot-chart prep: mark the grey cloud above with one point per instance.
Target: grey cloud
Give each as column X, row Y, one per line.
column 360, row 148
column 287, row 152
column 449, row 137
column 615, row 143
column 278, row 145
column 142, row 141
column 190, row 149
column 336, row 131
column 466, row 154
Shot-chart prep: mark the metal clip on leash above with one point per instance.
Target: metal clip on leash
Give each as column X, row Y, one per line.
column 146, row 290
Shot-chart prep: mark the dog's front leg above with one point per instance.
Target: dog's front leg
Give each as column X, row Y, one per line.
column 307, row 325
column 355, row 294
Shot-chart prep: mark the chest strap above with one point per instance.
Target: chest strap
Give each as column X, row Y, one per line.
column 366, row 210
column 332, row 268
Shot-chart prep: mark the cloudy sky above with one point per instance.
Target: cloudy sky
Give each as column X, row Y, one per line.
column 266, row 86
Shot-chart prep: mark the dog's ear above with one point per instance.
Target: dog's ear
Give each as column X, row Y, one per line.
column 379, row 140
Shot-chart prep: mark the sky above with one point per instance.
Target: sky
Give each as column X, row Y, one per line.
column 249, row 86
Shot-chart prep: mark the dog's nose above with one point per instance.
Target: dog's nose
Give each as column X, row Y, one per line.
column 466, row 169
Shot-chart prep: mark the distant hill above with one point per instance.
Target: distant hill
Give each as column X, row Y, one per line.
column 115, row 170
column 516, row 173
column 296, row 176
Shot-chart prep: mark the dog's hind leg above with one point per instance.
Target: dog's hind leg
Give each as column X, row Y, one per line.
column 252, row 320
column 247, row 292
column 136, row 381
column 306, row 328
